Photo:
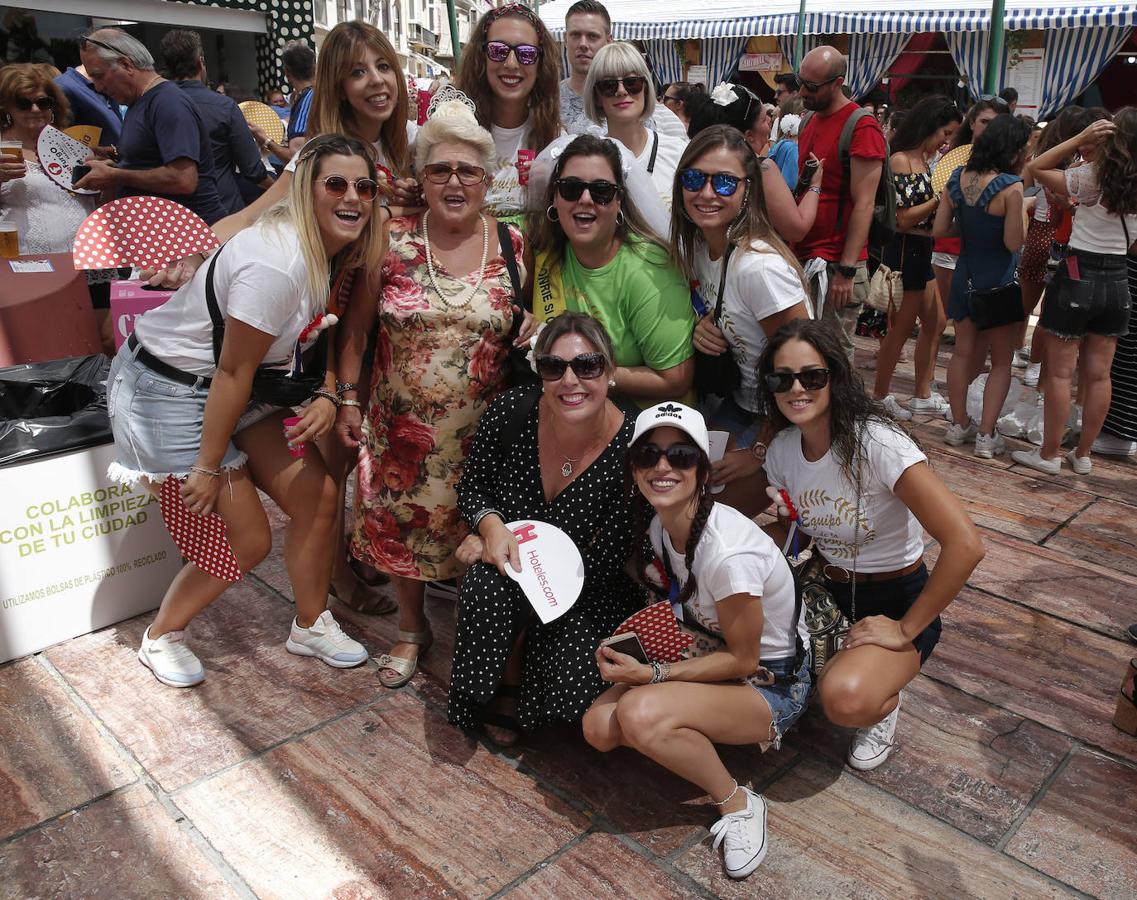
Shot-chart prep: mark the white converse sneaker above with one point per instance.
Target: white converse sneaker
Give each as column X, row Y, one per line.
column 957, row 435
column 1111, row 445
column 895, row 409
column 326, row 641
column 743, row 834
column 988, row 446
column 1022, row 358
column 1034, row 459
column 171, row 661
column 872, row 746
column 1030, row 377
column 934, row 404
column 1080, row 464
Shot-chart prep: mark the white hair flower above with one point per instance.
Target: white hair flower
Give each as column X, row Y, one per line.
column 789, row 124
column 724, row 94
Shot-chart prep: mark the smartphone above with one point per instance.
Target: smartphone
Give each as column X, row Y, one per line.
column 1033, row 190
column 79, row 172
column 806, row 177
column 627, row 643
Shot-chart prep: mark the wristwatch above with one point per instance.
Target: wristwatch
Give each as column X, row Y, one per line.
column 847, row 271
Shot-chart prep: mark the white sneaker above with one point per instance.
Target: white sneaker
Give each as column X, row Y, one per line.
column 895, row 409
column 957, row 435
column 988, row 446
column 171, row 661
column 326, row 641
column 1030, row 377
column 872, row 746
column 1080, row 464
column 933, row 404
column 1022, row 358
column 1111, row 445
column 744, row 836
column 1033, row 458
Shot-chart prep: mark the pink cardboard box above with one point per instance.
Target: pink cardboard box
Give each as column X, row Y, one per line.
column 128, row 302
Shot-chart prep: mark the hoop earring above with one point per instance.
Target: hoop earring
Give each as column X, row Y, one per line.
column 6, row 121
column 620, row 218
column 552, row 215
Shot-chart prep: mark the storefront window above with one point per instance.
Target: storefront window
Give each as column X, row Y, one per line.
column 320, row 11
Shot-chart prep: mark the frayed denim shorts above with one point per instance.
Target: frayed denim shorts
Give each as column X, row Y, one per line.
column 787, row 699
column 156, row 422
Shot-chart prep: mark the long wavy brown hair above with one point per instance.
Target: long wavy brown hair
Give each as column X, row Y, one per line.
column 332, row 114
column 1116, row 162
column 545, row 98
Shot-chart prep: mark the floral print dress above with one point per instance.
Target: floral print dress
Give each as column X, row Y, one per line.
column 438, row 364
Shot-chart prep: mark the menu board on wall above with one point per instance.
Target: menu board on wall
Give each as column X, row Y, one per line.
column 1024, row 74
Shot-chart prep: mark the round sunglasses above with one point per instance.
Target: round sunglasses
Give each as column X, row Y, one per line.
column 722, row 183
column 43, row 104
column 633, row 84
column 809, row 379
column 572, row 189
column 440, row 173
column 679, row 456
column 499, row 51
column 585, row 366
column 336, row 186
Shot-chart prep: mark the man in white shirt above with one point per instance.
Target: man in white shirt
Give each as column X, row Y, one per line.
column 588, row 27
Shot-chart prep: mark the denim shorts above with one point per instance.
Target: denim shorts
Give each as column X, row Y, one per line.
column 892, row 598
column 156, row 422
column 1096, row 303
column 787, row 699
column 729, row 416
column 911, row 256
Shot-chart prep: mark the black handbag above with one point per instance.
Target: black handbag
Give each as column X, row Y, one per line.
column 719, row 375
column 995, row 307
column 277, row 387
column 517, row 369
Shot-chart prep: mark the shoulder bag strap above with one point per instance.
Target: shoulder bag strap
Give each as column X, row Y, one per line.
column 722, row 282
column 654, row 151
column 214, row 310
column 505, row 242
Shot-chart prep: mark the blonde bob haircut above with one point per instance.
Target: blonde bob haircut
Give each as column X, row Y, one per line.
column 298, row 210
column 615, row 61
column 453, row 122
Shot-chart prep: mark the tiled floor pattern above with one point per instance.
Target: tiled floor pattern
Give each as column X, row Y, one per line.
column 283, row 778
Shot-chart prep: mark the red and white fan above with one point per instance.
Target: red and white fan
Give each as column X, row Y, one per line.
column 147, row 232
column 201, row 539
column 659, row 633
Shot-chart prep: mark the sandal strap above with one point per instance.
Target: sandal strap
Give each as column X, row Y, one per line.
column 421, row 638
column 501, row 720
column 397, row 664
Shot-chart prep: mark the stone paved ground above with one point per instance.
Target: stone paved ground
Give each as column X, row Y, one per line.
column 283, row 778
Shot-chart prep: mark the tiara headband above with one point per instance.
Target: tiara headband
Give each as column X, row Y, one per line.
column 449, row 94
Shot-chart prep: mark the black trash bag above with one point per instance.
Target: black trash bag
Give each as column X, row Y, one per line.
column 53, row 407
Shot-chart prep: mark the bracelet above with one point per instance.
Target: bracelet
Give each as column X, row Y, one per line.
column 201, row 470
column 342, row 387
column 481, row 515
column 354, row 403
column 327, row 395
column 816, row 189
column 754, row 450
column 660, row 672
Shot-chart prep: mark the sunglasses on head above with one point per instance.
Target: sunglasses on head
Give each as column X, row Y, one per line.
column 679, row 456
column 601, row 192
column 995, row 99
column 585, row 366
column 816, row 85
column 499, row 51
column 633, row 84
column 83, row 42
column 41, row 103
column 440, row 173
column 336, row 186
column 722, row 183
column 809, row 379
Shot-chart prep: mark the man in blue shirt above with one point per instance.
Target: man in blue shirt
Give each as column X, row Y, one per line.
column 235, row 153
column 300, row 69
column 88, row 106
column 164, row 148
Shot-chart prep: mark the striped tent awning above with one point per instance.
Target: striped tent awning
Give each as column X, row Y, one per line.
column 670, row 19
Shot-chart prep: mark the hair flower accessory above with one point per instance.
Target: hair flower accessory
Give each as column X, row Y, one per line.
column 724, row 94
column 317, row 325
column 789, row 124
column 531, row 355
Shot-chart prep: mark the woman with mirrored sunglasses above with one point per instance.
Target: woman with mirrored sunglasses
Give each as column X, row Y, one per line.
column 746, row 678
column 719, row 219
column 863, row 491
column 512, row 73
column 555, row 454
column 595, row 253
column 619, row 95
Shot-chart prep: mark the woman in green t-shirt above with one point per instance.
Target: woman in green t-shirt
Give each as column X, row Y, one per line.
column 596, row 255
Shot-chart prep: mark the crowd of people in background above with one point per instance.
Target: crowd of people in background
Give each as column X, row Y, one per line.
column 550, row 292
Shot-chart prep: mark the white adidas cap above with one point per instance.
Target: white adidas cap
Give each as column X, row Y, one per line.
column 674, row 415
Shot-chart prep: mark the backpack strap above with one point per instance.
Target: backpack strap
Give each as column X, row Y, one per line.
column 654, row 151
column 844, row 143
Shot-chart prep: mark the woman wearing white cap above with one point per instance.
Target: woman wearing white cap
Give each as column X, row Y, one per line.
column 735, row 592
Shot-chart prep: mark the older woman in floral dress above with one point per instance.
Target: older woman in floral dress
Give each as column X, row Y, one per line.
column 445, row 309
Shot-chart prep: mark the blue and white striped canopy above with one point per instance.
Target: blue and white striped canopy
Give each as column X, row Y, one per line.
column 671, row 19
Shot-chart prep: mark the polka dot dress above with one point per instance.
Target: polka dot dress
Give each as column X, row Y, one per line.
column 560, row 679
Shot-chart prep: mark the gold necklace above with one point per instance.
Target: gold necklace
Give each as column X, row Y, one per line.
column 566, row 468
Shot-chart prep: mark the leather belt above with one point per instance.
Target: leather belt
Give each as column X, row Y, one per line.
column 844, row 576
column 152, row 362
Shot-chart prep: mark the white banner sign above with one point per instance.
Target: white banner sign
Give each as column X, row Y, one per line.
column 552, row 571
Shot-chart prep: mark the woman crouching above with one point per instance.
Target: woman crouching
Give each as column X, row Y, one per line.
column 737, row 594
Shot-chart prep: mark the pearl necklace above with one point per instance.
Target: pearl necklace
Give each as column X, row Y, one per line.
column 464, row 303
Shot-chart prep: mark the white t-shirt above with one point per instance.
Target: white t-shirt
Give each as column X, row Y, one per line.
column 506, row 196
column 260, row 279
column 380, row 154
column 735, row 556
column 667, row 157
column 759, row 284
column 888, row 537
column 575, row 121
column 1096, row 229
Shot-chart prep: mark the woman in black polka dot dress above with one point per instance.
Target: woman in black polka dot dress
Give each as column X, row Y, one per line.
column 554, row 456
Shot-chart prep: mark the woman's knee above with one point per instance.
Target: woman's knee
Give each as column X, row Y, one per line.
column 251, row 544
column 600, row 729
column 846, row 700
column 641, row 715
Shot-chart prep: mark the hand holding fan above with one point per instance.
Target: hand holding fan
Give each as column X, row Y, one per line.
column 257, row 113
column 201, row 539
column 147, row 232
column 658, row 631
column 552, row 570
column 59, row 153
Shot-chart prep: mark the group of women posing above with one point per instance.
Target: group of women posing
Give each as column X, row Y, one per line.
column 431, row 298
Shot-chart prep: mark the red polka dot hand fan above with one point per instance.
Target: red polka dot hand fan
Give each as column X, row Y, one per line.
column 201, row 539
column 659, row 633
column 147, row 232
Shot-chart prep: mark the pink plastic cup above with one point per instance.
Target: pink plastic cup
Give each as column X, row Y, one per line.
column 524, row 160
column 297, row 449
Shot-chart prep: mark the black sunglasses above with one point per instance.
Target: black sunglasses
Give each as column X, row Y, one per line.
column 995, row 99
column 440, row 173
column 679, row 456
column 816, row 85
column 722, row 183
column 336, row 186
column 809, row 379
column 499, row 51
column 633, row 84
column 585, row 366
column 601, row 192
column 41, row 103
column 83, row 42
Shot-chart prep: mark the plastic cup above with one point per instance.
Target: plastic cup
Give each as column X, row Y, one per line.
column 14, row 149
column 716, row 441
column 297, row 449
column 524, row 159
column 9, row 242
